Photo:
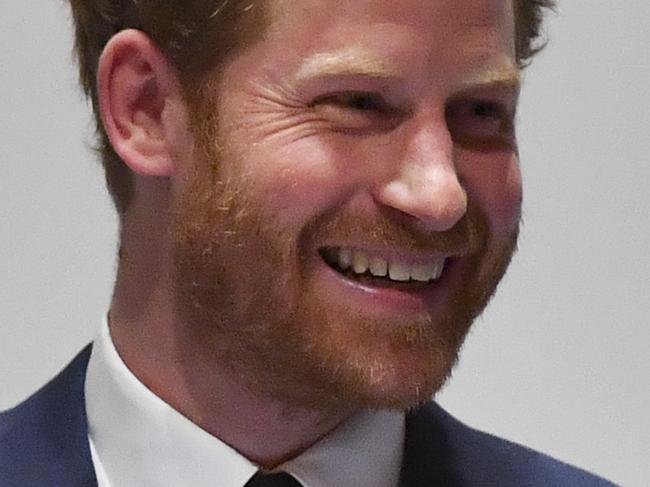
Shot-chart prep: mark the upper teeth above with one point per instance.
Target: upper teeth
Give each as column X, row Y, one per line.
column 362, row 262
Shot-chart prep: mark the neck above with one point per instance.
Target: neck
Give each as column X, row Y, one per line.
column 265, row 431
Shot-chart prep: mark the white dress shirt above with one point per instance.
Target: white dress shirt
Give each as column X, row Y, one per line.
column 138, row 440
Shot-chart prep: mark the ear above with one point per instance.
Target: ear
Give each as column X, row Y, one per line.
column 141, row 103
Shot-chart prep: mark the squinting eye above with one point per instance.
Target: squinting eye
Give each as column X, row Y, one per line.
column 354, row 101
column 486, row 110
column 355, row 111
column 481, row 123
column 361, row 101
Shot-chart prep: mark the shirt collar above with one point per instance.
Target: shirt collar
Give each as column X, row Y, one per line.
column 138, row 439
column 365, row 450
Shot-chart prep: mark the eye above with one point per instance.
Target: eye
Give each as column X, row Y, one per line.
column 361, row 101
column 486, row 109
column 355, row 111
column 481, row 123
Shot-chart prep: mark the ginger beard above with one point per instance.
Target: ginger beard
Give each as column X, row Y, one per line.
column 248, row 290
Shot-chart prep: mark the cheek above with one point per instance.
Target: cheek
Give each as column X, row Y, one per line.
column 494, row 184
column 298, row 181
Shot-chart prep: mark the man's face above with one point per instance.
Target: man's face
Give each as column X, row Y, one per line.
column 359, row 202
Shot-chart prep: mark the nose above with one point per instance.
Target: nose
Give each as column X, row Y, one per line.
column 424, row 183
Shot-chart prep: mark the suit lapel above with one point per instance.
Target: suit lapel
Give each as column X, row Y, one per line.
column 76, row 459
column 69, row 431
column 51, row 438
column 427, row 460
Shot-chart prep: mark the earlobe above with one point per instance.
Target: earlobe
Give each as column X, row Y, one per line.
column 136, row 86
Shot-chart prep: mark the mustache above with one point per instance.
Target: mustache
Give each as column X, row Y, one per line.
column 470, row 235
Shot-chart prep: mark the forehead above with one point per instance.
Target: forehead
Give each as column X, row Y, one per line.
column 386, row 36
column 407, row 11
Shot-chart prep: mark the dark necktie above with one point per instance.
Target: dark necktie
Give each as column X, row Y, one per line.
column 281, row 479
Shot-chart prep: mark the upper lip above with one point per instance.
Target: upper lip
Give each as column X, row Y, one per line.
column 394, row 254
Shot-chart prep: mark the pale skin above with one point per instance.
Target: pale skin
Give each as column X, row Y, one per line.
column 310, row 146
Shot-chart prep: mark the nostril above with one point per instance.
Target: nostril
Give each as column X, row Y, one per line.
column 452, row 207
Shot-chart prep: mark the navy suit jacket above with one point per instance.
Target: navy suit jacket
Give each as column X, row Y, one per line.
column 43, row 442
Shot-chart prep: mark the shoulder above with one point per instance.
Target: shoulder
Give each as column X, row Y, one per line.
column 48, row 430
column 473, row 457
column 55, row 399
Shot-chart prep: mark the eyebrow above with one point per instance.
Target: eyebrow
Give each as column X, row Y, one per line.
column 356, row 62
column 508, row 76
column 344, row 63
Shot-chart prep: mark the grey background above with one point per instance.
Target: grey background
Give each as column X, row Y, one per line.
column 560, row 359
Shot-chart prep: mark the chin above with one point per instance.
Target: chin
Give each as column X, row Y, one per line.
column 376, row 364
column 404, row 390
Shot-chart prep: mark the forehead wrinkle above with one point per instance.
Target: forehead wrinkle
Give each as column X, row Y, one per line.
column 341, row 63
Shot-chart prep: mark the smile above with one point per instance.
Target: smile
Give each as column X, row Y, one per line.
column 380, row 270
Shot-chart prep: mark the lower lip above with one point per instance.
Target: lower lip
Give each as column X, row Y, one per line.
column 386, row 298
